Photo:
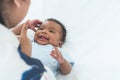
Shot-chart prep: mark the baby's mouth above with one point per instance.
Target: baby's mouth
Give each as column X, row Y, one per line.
column 43, row 38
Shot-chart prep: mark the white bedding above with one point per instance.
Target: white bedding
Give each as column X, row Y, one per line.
column 93, row 66
column 74, row 75
column 93, row 34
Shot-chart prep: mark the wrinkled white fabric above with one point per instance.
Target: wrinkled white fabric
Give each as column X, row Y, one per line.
column 11, row 65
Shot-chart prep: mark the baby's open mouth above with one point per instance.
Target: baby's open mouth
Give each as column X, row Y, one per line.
column 43, row 38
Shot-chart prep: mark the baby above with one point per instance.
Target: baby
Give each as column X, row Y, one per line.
column 48, row 40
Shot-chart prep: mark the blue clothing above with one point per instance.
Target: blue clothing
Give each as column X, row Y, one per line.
column 37, row 67
column 42, row 52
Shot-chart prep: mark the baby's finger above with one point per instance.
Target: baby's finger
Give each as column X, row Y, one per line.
column 33, row 24
column 26, row 25
column 57, row 50
column 54, row 54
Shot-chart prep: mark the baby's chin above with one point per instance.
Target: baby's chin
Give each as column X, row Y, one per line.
column 46, row 43
column 42, row 43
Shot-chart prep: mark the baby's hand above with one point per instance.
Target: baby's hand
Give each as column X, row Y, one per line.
column 33, row 24
column 57, row 55
column 24, row 28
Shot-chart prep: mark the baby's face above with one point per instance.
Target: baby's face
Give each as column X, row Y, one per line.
column 49, row 33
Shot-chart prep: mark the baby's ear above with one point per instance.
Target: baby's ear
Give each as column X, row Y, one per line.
column 60, row 43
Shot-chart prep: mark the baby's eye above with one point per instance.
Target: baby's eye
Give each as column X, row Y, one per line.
column 52, row 31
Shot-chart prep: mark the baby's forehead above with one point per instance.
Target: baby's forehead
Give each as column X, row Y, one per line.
column 49, row 21
column 51, row 24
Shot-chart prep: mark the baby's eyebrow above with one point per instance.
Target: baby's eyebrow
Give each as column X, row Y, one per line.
column 53, row 29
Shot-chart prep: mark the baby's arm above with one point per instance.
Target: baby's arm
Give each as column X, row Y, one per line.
column 65, row 66
column 21, row 32
column 25, row 42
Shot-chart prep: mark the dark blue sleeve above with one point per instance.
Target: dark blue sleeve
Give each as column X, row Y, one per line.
column 37, row 69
